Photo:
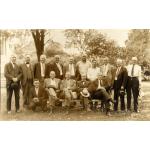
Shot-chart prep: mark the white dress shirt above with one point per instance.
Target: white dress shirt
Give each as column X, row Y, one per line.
column 105, row 69
column 92, row 73
column 83, row 67
column 71, row 69
column 36, row 91
column 117, row 72
column 42, row 69
column 59, row 67
column 136, row 72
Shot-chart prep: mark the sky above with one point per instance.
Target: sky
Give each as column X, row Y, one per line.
column 119, row 35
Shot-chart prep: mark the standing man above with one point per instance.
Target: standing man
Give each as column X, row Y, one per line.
column 13, row 74
column 57, row 67
column 82, row 66
column 106, row 70
column 120, row 81
column 40, row 69
column 26, row 79
column 134, row 84
column 93, row 72
column 71, row 68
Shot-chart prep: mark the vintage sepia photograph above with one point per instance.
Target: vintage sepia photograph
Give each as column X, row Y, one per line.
column 75, row 74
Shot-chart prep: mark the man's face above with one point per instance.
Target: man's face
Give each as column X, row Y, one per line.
column 105, row 61
column 83, row 77
column 36, row 84
column 71, row 60
column 99, row 77
column 67, row 76
column 83, row 58
column 134, row 62
column 52, row 75
column 119, row 63
column 42, row 59
column 57, row 59
column 28, row 59
column 94, row 64
column 13, row 59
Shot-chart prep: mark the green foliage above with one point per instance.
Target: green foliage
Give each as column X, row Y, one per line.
column 91, row 41
column 54, row 48
column 138, row 42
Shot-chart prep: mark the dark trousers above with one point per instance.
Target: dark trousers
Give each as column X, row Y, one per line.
column 26, row 91
column 117, row 95
column 103, row 96
column 132, row 87
column 9, row 97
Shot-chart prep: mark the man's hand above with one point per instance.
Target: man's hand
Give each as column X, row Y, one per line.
column 101, row 88
column 14, row 79
column 35, row 99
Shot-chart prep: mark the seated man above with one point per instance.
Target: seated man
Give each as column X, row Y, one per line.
column 97, row 91
column 38, row 96
column 52, row 86
column 68, row 88
column 83, row 93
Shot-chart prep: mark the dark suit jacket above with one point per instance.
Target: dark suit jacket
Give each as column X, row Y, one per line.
column 94, row 85
column 42, row 95
column 82, row 84
column 66, row 69
column 53, row 67
column 121, row 79
column 37, row 71
column 10, row 72
column 23, row 68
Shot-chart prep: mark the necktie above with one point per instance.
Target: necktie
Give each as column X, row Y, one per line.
column 132, row 71
column 43, row 69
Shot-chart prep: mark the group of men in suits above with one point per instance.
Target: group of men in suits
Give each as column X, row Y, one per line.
column 44, row 84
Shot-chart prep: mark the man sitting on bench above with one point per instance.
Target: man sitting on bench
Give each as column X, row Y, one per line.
column 97, row 91
column 52, row 86
column 68, row 88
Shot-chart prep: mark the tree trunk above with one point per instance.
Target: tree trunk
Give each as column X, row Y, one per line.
column 38, row 36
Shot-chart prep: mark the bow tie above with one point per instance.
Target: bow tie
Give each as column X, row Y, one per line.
column 27, row 63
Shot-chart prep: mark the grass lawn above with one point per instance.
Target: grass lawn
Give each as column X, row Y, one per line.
column 75, row 115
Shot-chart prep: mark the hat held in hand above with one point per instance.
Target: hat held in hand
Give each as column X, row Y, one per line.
column 85, row 93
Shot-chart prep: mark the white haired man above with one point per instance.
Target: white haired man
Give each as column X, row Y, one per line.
column 40, row 69
column 119, row 85
column 52, row 86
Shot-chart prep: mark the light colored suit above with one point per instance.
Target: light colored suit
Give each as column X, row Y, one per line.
column 52, row 87
column 68, row 87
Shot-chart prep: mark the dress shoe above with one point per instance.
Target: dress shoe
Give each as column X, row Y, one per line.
column 18, row 111
column 9, row 112
column 108, row 114
column 136, row 111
